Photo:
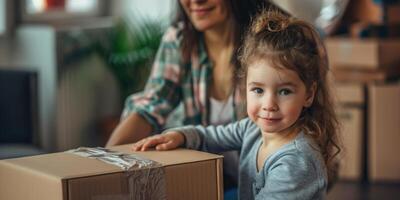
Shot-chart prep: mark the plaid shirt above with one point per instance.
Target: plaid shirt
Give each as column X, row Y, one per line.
column 172, row 82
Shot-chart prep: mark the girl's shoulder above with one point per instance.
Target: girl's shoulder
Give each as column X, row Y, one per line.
column 296, row 169
column 307, row 147
column 302, row 150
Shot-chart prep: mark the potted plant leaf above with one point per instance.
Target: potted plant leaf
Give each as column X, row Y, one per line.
column 129, row 50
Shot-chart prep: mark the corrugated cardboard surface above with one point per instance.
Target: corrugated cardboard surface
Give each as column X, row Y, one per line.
column 351, row 135
column 384, row 132
column 366, row 76
column 362, row 53
column 188, row 175
column 350, row 111
column 349, row 93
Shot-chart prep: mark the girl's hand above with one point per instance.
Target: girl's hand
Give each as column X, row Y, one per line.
column 167, row 141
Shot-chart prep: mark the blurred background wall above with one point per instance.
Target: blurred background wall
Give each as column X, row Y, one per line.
column 59, row 41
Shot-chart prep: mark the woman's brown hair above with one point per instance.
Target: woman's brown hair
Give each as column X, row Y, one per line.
column 242, row 10
column 293, row 44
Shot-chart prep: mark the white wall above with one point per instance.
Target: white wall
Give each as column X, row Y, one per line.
column 157, row 9
column 71, row 103
column 2, row 16
column 307, row 10
column 36, row 47
column 33, row 47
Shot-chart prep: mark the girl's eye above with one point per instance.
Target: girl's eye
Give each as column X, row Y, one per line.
column 284, row 92
column 257, row 90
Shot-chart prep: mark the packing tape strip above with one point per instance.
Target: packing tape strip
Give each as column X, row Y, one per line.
column 146, row 178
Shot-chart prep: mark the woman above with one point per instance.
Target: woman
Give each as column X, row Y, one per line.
column 194, row 67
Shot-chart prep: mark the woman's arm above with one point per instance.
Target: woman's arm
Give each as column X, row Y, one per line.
column 147, row 111
column 132, row 129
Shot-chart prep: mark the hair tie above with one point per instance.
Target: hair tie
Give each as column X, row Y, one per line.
column 273, row 22
column 277, row 26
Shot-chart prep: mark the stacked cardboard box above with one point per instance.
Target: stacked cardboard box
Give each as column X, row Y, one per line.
column 363, row 60
column 363, row 54
column 384, row 132
column 371, row 64
column 373, row 11
column 184, row 174
column 373, row 18
column 350, row 110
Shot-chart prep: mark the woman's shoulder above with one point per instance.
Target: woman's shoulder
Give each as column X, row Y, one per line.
column 174, row 33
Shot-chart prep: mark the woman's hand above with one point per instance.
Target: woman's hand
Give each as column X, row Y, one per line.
column 167, row 141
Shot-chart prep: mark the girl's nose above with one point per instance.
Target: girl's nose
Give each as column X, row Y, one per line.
column 270, row 104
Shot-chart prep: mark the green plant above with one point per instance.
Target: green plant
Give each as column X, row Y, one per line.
column 129, row 50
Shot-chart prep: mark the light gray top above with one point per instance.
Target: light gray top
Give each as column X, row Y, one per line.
column 221, row 111
column 295, row 171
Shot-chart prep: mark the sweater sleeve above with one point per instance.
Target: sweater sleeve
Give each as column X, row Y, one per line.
column 215, row 139
column 292, row 176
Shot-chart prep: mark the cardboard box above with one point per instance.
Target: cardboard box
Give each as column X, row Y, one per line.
column 350, row 111
column 367, row 30
column 349, row 93
column 351, row 120
column 365, row 54
column 64, row 176
column 366, row 76
column 373, row 12
column 384, row 132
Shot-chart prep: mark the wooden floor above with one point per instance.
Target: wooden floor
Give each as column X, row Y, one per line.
column 357, row 191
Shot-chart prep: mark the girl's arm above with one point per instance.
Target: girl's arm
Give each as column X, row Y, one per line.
column 167, row 141
column 210, row 139
column 216, row 139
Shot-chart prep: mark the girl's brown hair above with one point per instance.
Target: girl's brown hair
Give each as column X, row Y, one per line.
column 289, row 43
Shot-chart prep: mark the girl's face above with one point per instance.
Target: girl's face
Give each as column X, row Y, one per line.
column 275, row 97
column 206, row 14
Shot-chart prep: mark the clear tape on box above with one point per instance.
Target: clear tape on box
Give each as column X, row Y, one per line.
column 146, row 178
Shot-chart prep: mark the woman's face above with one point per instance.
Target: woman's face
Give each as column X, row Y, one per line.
column 206, row 14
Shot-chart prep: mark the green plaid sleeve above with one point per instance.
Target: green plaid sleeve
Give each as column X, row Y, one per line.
column 163, row 91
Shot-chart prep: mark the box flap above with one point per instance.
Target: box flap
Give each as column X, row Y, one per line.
column 171, row 157
column 67, row 165
column 63, row 165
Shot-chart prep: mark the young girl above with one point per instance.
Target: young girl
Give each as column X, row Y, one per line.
column 289, row 139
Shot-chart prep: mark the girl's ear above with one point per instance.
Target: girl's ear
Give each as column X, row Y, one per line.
column 310, row 95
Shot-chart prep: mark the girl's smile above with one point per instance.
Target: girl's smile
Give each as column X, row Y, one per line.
column 270, row 120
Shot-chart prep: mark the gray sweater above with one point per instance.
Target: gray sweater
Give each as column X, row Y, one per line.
column 295, row 171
